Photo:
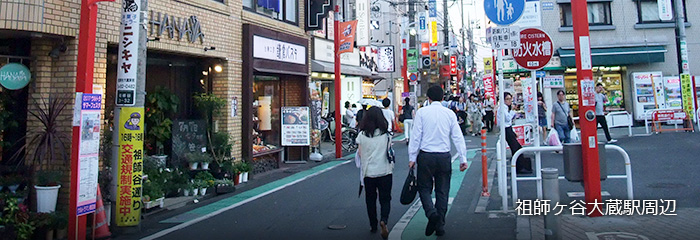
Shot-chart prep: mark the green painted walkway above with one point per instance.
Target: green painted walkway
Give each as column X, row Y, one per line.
column 416, row 227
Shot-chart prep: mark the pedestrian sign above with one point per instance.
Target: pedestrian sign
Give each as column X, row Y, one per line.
column 504, row 12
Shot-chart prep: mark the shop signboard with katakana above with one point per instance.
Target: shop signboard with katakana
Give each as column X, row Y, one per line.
column 127, row 63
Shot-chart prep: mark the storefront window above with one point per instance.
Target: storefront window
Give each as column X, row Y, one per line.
column 609, row 77
column 283, row 10
column 648, row 12
column 266, row 114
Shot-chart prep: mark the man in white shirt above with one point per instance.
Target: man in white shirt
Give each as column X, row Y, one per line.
column 488, row 107
column 600, row 100
column 433, row 127
column 388, row 114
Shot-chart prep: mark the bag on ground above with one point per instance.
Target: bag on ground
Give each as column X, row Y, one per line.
column 410, row 188
column 553, row 138
column 575, row 138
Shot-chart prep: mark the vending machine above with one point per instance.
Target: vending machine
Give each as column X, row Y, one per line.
column 672, row 91
column 648, row 93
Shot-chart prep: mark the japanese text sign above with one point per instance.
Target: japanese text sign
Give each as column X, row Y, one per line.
column 505, row 37
column 295, row 126
column 385, row 59
column 130, row 167
column 88, row 156
column 535, row 49
column 347, row 36
column 687, row 94
column 453, row 65
column 127, row 62
column 668, row 115
column 553, row 81
column 529, row 100
column 587, row 92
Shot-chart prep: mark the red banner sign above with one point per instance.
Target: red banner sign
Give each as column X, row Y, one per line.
column 453, row 65
column 668, row 115
column 347, row 36
column 535, row 49
column 425, row 49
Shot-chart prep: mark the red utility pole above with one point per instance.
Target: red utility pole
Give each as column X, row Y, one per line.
column 83, row 84
column 338, row 126
column 404, row 68
column 586, row 101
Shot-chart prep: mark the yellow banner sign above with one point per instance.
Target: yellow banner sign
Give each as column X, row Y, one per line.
column 687, row 95
column 130, row 168
column 433, row 32
column 488, row 65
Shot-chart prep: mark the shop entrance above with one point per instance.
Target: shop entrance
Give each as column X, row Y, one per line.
column 13, row 103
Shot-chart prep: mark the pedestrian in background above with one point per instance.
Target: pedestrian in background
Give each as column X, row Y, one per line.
column 349, row 115
column 407, row 112
column 560, row 117
column 542, row 115
column 433, row 127
column 600, row 100
column 388, row 114
column 475, row 115
column 506, row 113
column 372, row 142
column 488, row 109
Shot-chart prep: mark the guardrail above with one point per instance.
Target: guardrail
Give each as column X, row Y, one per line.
column 618, row 119
column 538, row 176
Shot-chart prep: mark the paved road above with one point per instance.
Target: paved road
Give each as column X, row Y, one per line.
column 304, row 210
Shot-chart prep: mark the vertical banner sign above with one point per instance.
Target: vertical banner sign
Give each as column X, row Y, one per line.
column 529, row 100
column 425, row 49
column 128, row 54
column 488, row 78
column 665, row 10
column 433, row 59
column 330, row 30
column 687, row 95
column 423, row 26
column 88, row 155
column 684, row 56
column 588, row 92
column 347, row 36
column 130, row 168
column 385, row 59
column 453, row 65
column 295, row 126
column 362, row 15
column 432, row 8
column 433, row 32
column 412, row 60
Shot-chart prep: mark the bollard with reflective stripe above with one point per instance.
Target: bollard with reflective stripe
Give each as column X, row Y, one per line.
column 484, row 167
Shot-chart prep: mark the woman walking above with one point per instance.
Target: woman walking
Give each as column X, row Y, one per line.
column 542, row 116
column 373, row 142
column 505, row 116
column 407, row 112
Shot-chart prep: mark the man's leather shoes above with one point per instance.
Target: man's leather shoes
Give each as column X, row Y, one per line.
column 432, row 224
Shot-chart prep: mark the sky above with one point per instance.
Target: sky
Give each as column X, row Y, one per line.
column 474, row 10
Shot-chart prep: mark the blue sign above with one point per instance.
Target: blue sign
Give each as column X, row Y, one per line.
column 432, row 8
column 504, row 12
column 91, row 101
column 547, row 6
column 14, row 76
column 421, row 23
column 540, row 74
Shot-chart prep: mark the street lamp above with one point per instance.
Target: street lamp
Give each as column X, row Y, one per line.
column 412, row 32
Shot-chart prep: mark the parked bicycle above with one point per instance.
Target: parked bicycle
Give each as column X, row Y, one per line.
column 348, row 134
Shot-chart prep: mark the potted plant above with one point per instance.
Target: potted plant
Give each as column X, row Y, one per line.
column 196, row 185
column 47, row 186
column 60, row 223
column 193, row 159
column 209, row 105
column 207, row 180
column 15, row 218
column 160, row 105
column 43, row 223
column 152, row 194
column 224, row 186
column 245, row 169
column 11, row 182
column 187, row 189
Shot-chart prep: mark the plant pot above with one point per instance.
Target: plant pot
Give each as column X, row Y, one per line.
column 195, row 192
column 194, row 165
column 13, row 188
column 160, row 202
column 46, row 198
column 245, row 177
column 236, row 179
column 160, row 160
column 62, row 233
column 221, row 189
column 49, row 234
column 205, row 165
column 202, row 191
column 186, row 192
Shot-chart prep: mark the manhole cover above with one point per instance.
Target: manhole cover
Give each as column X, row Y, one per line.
column 337, row 227
column 666, row 185
column 615, row 236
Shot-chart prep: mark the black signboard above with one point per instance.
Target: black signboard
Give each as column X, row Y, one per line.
column 125, row 97
column 316, row 10
column 189, row 136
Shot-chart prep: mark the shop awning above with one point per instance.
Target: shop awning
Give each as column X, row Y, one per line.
column 327, row 67
column 607, row 56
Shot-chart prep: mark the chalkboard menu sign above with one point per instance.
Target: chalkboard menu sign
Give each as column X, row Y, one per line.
column 188, row 136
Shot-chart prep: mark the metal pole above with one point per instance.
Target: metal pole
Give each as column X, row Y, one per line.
column 552, row 223
column 536, row 132
column 683, row 47
column 502, row 134
column 338, row 127
column 586, row 101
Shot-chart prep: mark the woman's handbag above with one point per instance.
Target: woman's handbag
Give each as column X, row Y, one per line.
column 390, row 151
column 410, row 188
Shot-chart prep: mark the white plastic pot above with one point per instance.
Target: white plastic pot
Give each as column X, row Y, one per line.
column 46, row 198
column 195, row 192
column 245, row 177
column 205, row 165
column 186, row 192
column 202, row 191
column 194, row 165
